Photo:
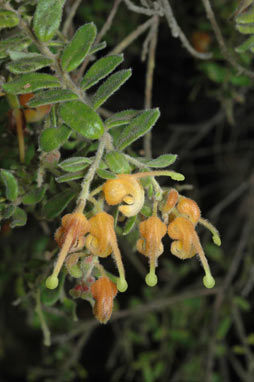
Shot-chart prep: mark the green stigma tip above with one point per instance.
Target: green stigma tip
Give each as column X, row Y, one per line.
column 151, row 279
column 217, row 240
column 208, row 281
column 122, row 285
column 52, row 282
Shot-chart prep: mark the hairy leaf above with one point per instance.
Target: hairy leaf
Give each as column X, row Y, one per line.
column 11, row 185
column 58, row 203
column 117, row 162
column 75, row 164
column 121, row 118
column 48, row 97
column 29, row 83
column 8, row 19
column 52, row 138
column 29, row 64
column 47, row 19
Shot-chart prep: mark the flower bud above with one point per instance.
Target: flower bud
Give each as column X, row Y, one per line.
column 103, row 291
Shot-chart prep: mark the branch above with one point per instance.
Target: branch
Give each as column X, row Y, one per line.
column 141, row 10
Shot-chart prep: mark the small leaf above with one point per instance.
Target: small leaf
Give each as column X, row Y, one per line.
column 27, row 65
column 245, row 17
column 34, row 196
column 117, row 162
column 8, row 19
column 100, row 69
column 11, row 185
column 164, row 160
column 9, row 211
column 215, row 72
column 69, row 177
column 58, row 203
column 223, row 328
column 75, row 164
column 137, row 128
column 48, row 97
column 75, row 52
column 242, row 303
column 240, row 80
column 16, row 55
column 19, row 218
column 82, row 118
column 121, row 118
column 52, row 138
column 129, row 225
column 97, row 47
column 15, row 42
column 104, row 174
column 245, row 28
column 29, row 83
column 109, row 87
column 47, row 19
column 246, row 45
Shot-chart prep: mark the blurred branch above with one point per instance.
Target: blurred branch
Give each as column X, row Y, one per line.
column 71, row 14
column 227, row 55
column 143, row 11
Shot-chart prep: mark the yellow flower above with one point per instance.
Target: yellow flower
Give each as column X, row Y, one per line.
column 125, row 188
column 187, row 244
column 74, row 226
column 102, row 241
column 188, row 208
column 103, row 291
column 152, row 230
column 172, row 199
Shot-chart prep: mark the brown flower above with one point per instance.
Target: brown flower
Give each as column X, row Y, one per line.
column 103, row 291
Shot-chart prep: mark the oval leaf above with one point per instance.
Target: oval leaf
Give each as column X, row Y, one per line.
column 82, row 118
column 27, row 65
column 52, row 138
column 137, row 128
column 109, row 87
column 58, row 203
column 121, row 118
column 69, row 177
column 117, row 162
column 34, row 196
column 47, row 19
column 48, row 97
column 75, row 164
column 75, row 52
column 15, row 42
column 129, row 225
column 162, row 161
column 8, row 19
column 100, row 69
column 97, row 47
column 104, row 174
column 29, row 83
column 19, row 218
column 11, row 185
column 9, row 211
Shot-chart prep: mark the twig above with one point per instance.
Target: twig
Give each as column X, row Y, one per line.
column 44, row 326
column 71, row 14
column 141, row 10
column 149, row 82
column 131, row 37
column 228, row 56
column 177, row 32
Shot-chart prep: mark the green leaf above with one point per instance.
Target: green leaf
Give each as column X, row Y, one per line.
column 100, row 69
column 246, row 45
column 245, row 28
column 9, row 211
column 129, row 225
column 223, row 328
column 75, row 164
column 243, row 303
column 48, row 97
column 97, row 47
column 76, row 51
column 109, row 87
column 19, row 218
column 11, row 185
column 58, row 203
column 137, row 128
column 215, row 72
column 104, row 174
column 245, row 17
column 164, row 160
column 69, row 177
column 121, row 118
column 29, row 83
column 15, row 42
column 27, row 65
column 117, row 162
column 82, row 118
column 240, row 80
column 52, row 138
column 34, row 196
column 47, row 19
column 8, row 19
column 16, row 55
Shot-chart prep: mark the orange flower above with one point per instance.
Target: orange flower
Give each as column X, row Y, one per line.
column 189, row 209
column 73, row 227
column 103, row 291
column 171, row 202
column 187, row 244
column 102, row 241
column 33, row 115
column 125, row 188
column 152, row 230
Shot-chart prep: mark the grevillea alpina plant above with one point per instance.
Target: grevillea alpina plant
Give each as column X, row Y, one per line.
column 109, row 186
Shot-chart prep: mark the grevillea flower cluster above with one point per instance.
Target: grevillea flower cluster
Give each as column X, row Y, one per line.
column 84, row 240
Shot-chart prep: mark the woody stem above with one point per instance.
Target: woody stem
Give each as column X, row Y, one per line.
column 19, row 124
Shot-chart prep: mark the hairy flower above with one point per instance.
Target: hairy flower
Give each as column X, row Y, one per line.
column 172, row 199
column 103, row 291
column 187, row 244
column 189, row 209
column 102, row 241
column 152, row 231
column 73, row 227
column 125, row 188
